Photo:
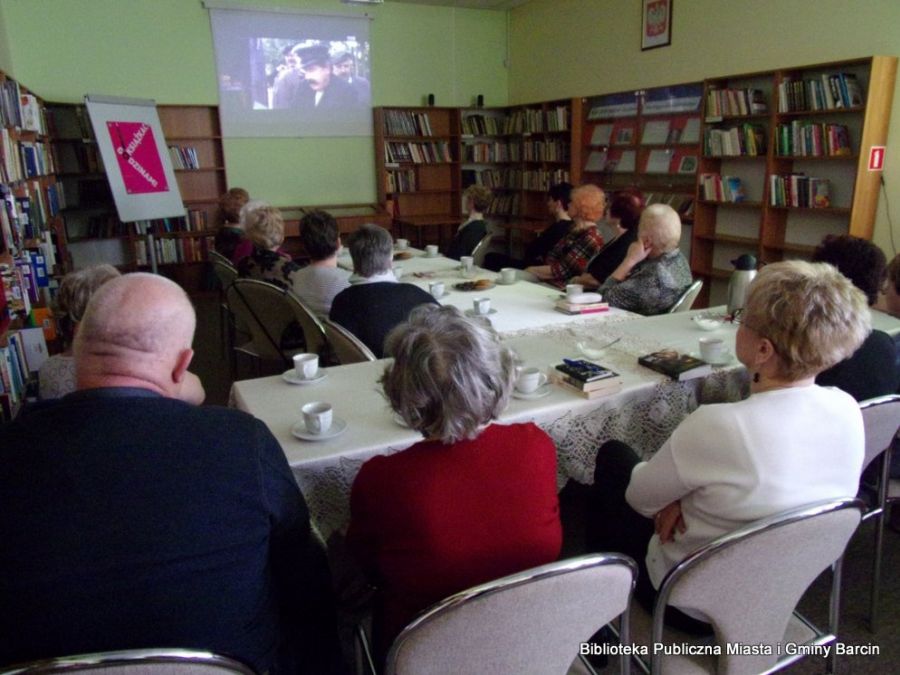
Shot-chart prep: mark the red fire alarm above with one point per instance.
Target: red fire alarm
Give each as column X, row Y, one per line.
column 876, row 158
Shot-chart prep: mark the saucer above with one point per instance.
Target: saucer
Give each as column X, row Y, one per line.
column 338, row 426
column 290, row 376
column 500, row 281
column 726, row 359
column 540, row 392
column 473, row 313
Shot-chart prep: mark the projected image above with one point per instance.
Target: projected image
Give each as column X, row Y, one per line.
column 293, row 75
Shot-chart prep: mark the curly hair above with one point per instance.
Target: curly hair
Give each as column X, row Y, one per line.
column 861, row 261
column 265, row 227
column 480, row 195
column 588, row 203
column 451, row 375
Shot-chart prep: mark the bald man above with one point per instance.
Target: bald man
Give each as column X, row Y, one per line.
column 133, row 518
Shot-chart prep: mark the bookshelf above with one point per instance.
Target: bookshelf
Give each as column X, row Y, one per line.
column 194, row 142
column 796, row 157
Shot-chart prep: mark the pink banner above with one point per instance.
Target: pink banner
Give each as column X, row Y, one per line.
column 138, row 155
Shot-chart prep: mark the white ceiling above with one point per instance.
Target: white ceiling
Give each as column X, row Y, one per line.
column 471, row 4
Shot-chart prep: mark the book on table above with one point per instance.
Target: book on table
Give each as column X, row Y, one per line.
column 567, row 307
column 677, row 366
column 613, row 388
column 586, row 378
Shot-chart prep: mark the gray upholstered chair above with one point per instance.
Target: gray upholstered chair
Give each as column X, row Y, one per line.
column 747, row 583
column 686, row 300
column 266, row 311
column 346, row 346
column 881, row 417
column 136, row 662
column 531, row 622
column 481, row 249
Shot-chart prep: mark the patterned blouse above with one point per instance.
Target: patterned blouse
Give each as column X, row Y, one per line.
column 56, row 378
column 268, row 266
column 571, row 254
column 653, row 285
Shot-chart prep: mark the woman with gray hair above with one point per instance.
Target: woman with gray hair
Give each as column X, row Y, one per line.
column 789, row 444
column 472, row 502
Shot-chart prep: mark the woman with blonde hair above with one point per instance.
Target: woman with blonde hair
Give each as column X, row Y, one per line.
column 571, row 254
column 56, row 378
column 789, row 444
column 475, row 500
column 265, row 230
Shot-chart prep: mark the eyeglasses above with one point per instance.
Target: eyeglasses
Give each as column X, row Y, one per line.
column 736, row 317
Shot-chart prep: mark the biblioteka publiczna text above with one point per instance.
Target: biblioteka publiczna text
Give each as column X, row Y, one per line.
column 731, row 649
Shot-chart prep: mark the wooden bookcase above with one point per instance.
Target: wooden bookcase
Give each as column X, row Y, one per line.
column 95, row 234
column 760, row 223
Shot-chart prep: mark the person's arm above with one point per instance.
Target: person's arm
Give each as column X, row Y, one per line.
column 637, row 252
column 587, row 280
column 542, row 272
column 656, row 484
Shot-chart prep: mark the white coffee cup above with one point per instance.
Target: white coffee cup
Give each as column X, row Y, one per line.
column 317, row 417
column 398, row 272
column 481, row 305
column 508, row 275
column 431, row 250
column 467, row 263
column 402, row 244
column 306, row 366
column 529, row 379
column 436, row 288
column 712, row 349
column 574, row 289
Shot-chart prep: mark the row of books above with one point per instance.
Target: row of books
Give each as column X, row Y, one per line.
column 533, row 120
column 196, row 220
column 20, row 360
column 24, row 213
column 809, row 139
column 657, row 161
column 402, row 180
column 730, row 102
column 799, row 190
column 417, row 152
column 827, row 92
column 515, row 179
column 10, row 104
column 406, row 123
column 69, row 122
column 483, row 125
column 682, row 203
column 744, row 140
column 77, row 158
column 184, row 157
column 23, row 159
column 171, row 250
column 504, row 205
column 517, row 151
column 716, row 188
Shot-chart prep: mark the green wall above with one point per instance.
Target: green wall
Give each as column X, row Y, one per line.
column 162, row 49
column 562, row 48
column 5, row 57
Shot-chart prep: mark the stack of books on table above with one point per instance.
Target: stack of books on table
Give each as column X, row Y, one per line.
column 566, row 306
column 677, row 366
column 586, row 379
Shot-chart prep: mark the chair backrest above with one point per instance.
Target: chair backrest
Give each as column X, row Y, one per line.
column 137, row 661
column 266, row 312
column 481, row 249
column 347, row 347
column 212, row 255
column 531, row 622
column 686, row 301
column 313, row 330
column 226, row 273
column 881, row 417
column 748, row 582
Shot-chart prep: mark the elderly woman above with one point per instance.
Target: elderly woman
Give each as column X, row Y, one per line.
column 265, row 230
column 789, row 444
column 472, row 502
column 571, row 254
column 654, row 272
column 872, row 370
column 231, row 232
column 56, row 378
column 890, row 302
column 477, row 200
column 624, row 215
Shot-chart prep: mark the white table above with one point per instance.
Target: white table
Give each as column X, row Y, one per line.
column 643, row 414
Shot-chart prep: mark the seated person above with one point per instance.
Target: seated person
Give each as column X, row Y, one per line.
column 265, row 231
column 472, row 502
column 624, row 215
column 653, row 273
column 245, row 247
column 321, row 280
column 558, row 197
column 478, row 199
column 571, row 254
column 56, row 377
column 890, row 300
column 872, row 370
column 375, row 302
column 231, row 233
column 138, row 520
column 789, row 444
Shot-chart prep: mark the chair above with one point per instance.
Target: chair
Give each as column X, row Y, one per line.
column 226, row 273
column 684, row 303
column 266, row 311
column 313, row 331
column 881, row 417
column 141, row 661
column 748, row 583
column 346, row 346
column 481, row 249
column 530, row 622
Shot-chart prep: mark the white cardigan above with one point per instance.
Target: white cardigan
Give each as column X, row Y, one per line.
column 733, row 463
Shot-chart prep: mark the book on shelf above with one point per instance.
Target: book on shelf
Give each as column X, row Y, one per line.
column 407, row 123
column 656, row 132
column 828, row 91
column 716, row 188
column 674, row 99
column 614, row 105
column 810, row 139
column 691, row 131
column 678, row 366
column 573, row 309
column 596, row 161
column 744, row 140
column 735, row 102
column 602, row 134
column 624, row 163
column 799, row 190
column 659, row 161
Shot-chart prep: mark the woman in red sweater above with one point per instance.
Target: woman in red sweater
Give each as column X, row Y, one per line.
column 472, row 502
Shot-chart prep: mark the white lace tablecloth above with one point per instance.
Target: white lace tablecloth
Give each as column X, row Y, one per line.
column 643, row 414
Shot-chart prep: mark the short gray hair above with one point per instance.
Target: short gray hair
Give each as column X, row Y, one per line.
column 662, row 225
column 811, row 313
column 371, row 249
column 450, row 376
